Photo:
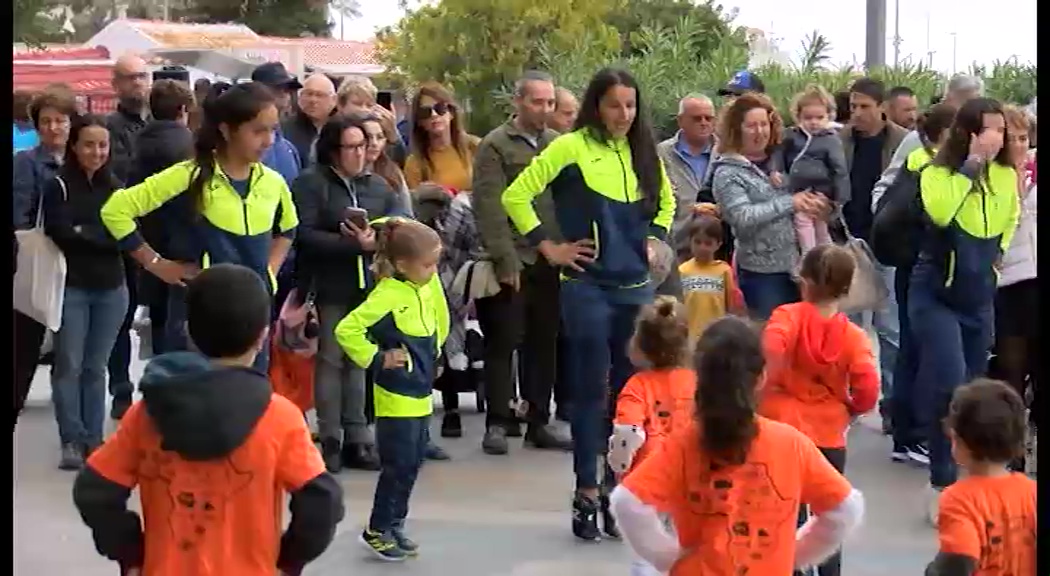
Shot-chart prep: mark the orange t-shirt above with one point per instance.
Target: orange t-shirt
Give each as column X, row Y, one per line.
column 991, row 520
column 819, row 372
column 738, row 519
column 218, row 517
column 660, row 401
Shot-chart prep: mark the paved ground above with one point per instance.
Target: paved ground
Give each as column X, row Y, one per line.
column 475, row 516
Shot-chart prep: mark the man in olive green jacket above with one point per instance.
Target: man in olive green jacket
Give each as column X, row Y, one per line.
column 526, row 308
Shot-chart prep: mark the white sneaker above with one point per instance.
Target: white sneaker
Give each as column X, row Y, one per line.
column 933, row 504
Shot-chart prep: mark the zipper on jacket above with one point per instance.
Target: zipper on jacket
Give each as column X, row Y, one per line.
column 984, row 211
column 623, row 169
column 360, row 272
column 951, row 270
column 596, row 236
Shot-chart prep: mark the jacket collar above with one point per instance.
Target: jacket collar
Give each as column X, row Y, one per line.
column 136, row 117
column 512, row 129
column 681, row 146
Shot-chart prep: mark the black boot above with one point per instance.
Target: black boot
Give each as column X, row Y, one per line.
column 585, row 519
column 451, row 425
column 332, row 455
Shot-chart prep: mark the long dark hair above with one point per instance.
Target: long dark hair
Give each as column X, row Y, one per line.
column 77, row 124
column 384, row 167
column 729, row 363
column 969, row 121
column 933, row 123
column 644, row 161
column 232, row 105
column 330, row 139
column 419, row 143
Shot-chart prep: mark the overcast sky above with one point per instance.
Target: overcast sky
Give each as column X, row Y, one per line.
column 983, row 33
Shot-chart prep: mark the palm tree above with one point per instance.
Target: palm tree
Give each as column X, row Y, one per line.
column 345, row 10
column 816, row 52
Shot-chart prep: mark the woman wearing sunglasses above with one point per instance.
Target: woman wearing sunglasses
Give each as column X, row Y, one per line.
column 440, row 151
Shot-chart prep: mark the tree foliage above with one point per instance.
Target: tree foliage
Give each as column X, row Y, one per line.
column 477, row 47
column 709, row 17
column 290, row 18
column 33, row 25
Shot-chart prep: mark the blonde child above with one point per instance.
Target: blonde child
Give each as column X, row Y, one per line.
column 659, row 398
column 397, row 334
column 987, row 520
column 708, row 285
column 814, row 160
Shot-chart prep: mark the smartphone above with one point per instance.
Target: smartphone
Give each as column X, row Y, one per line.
column 385, row 99
column 359, row 216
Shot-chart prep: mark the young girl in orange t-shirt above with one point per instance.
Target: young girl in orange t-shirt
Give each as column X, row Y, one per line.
column 732, row 482
column 820, row 370
column 659, row 398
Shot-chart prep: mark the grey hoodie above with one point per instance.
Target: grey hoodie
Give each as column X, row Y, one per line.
column 759, row 214
column 816, row 161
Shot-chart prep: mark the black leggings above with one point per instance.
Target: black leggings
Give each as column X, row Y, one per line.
column 29, row 337
column 833, row 566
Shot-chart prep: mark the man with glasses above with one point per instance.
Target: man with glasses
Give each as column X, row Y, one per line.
column 687, row 158
column 317, row 102
column 131, row 81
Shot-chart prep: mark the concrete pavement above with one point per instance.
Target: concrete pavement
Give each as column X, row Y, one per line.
column 475, row 516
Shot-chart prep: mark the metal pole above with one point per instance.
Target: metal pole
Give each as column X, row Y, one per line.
column 896, row 33
column 955, row 51
column 875, row 53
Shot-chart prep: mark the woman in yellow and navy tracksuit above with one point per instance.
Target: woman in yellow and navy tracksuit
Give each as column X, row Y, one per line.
column 609, row 189
column 969, row 195
column 223, row 206
column 397, row 334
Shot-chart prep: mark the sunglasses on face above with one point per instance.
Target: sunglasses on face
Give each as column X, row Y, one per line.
column 439, row 109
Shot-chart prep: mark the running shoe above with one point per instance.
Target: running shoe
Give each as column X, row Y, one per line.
column 404, row 542
column 383, row 546
column 585, row 519
column 919, row 454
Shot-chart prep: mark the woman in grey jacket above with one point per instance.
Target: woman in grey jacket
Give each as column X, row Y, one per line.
column 759, row 211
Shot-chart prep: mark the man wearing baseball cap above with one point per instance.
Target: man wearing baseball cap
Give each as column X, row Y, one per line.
column 742, row 82
column 282, row 156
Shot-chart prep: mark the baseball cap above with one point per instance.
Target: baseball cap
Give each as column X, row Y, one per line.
column 743, row 81
column 275, row 75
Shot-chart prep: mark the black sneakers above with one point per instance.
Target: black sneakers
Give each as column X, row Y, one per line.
column 359, row 457
column 585, row 519
column 383, row 546
column 451, row 425
column 332, row 455
column 495, row 441
column 120, row 406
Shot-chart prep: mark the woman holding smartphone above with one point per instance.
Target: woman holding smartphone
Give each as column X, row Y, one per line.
column 338, row 201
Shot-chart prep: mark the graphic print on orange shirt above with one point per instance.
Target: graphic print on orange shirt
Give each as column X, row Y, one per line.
column 199, row 493
column 658, row 401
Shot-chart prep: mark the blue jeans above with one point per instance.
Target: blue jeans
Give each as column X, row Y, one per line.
column 91, row 320
column 401, row 443
column 763, row 292
column 909, row 424
column 176, row 338
column 598, row 325
column 953, row 349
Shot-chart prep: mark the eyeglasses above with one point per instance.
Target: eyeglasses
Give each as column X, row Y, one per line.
column 132, row 76
column 702, row 118
column 354, row 147
column 439, row 109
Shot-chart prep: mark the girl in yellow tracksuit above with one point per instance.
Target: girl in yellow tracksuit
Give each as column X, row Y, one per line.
column 969, row 194
column 397, row 334
column 223, row 206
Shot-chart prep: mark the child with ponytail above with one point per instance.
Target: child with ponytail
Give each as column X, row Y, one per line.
column 657, row 400
column 820, row 370
column 731, row 481
column 397, row 334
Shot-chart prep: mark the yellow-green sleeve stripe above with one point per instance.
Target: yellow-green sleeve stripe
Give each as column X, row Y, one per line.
column 533, row 180
column 352, row 331
column 124, row 206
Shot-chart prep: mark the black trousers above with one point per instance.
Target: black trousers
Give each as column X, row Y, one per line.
column 837, row 458
column 29, row 337
column 526, row 321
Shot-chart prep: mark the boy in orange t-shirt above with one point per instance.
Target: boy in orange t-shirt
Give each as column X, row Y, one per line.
column 733, row 482
column 987, row 520
column 708, row 285
column 658, row 399
column 212, row 451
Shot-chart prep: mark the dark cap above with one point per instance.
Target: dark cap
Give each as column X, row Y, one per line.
column 743, row 81
column 275, row 75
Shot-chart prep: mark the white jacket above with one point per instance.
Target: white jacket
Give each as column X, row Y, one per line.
column 1019, row 262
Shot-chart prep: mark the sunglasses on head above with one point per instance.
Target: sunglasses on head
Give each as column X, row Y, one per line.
column 439, row 109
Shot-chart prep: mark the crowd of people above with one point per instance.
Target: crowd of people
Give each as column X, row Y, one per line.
column 694, row 308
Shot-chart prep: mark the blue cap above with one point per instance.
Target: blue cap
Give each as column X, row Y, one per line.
column 743, row 81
